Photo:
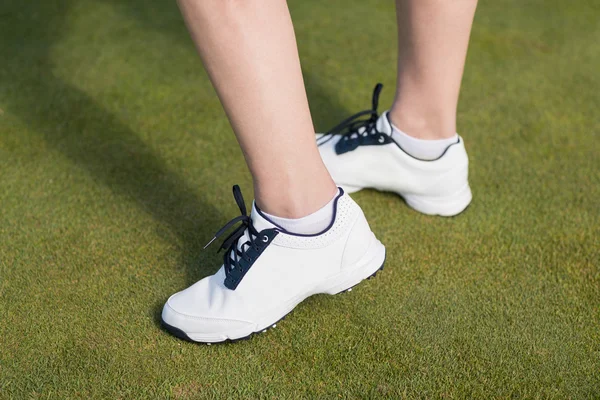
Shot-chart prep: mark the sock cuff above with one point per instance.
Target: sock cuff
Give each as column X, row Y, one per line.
column 422, row 149
column 397, row 130
column 313, row 223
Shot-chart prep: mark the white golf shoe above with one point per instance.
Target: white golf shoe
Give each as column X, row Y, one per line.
column 361, row 153
column 268, row 271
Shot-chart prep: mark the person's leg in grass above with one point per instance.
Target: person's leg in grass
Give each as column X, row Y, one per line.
column 433, row 36
column 249, row 51
column 414, row 149
column 303, row 235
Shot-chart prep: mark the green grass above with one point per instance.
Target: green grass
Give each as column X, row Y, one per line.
column 116, row 166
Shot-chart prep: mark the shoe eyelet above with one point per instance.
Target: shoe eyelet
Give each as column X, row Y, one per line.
column 265, row 238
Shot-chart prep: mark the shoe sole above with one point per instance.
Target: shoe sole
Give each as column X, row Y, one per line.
column 447, row 206
column 346, row 286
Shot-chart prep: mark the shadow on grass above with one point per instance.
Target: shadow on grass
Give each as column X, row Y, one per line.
column 71, row 122
column 94, row 139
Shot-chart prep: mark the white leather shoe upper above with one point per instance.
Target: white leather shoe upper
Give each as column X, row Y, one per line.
column 370, row 158
column 388, row 167
column 289, row 269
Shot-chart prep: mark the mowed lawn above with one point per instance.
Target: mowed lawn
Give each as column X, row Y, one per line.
column 116, row 167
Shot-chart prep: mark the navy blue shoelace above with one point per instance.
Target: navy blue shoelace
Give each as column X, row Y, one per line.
column 351, row 126
column 234, row 254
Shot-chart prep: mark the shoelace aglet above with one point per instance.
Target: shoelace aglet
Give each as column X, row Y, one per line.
column 209, row 243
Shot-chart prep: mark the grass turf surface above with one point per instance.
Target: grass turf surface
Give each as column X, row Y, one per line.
column 116, row 166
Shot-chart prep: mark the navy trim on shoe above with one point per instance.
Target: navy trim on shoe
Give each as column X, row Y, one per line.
column 387, row 116
column 335, row 203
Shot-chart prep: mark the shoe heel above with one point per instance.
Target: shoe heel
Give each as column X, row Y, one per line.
column 366, row 268
column 446, row 206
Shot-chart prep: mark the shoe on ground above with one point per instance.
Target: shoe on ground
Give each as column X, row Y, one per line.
column 267, row 272
column 361, row 153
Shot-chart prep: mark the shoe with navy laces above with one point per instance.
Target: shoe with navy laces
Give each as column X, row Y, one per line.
column 268, row 271
column 361, row 153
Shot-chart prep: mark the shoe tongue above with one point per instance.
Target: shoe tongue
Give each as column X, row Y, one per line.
column 383, row 124
column 259, row 221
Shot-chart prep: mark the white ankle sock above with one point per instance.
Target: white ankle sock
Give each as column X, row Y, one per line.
column 420, row 148
column 309, row 225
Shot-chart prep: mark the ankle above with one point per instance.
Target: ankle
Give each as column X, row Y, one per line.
column 295, row 199
column 310, row 224
column 423, row 124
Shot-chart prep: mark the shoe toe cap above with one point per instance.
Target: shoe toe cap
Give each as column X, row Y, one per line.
column 202, row 319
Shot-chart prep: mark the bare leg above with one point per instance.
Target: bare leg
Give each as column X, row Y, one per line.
column 433, row 36
column 249, row 50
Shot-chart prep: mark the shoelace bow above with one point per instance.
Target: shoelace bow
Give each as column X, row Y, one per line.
column 234, row 253
column 351, row 126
